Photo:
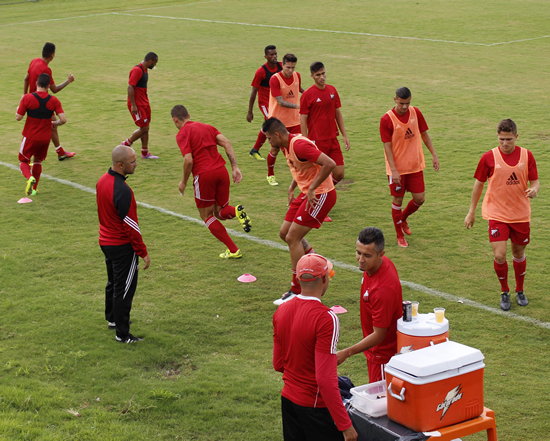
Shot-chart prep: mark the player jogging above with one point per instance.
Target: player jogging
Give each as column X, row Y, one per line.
column 39, row 66
column 402, row 130
column 311, row 171
column 138, row 103
column 199, row 143
column 40, row 107
column 260, row 87
column 284, row 104
column 506, row 205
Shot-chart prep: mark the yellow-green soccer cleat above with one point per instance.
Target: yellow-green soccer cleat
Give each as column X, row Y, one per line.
column 34, row 193
column 28, row 189
column 256, row 155
column 229, row 255
column 272, row 181
column 243, row 219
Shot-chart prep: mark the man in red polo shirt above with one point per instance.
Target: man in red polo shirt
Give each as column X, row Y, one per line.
column 402, row 130
column 39, row 66
column 199, row 143
column 260, row 87
column 40, row 108
column 138, row 103
column 381, row 304
column 509, row 169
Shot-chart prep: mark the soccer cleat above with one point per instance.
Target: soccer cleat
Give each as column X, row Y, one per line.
column 243, row 219
column 521, row 299
column 256, row 155
column 130, row 339
column 34, row 192
column 327, row 219
column 289, row 295
column 30, row 182
column 149, row 156
column 402, row 242
column 229, row 255
column 272, row 181
column 405, row 227
column 111, row 325
column 505, row 300
column 66, row 155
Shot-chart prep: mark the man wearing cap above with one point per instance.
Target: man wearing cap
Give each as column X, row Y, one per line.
column 381, row 304
column 305, row 336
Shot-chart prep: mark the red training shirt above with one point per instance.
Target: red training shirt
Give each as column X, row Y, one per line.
column 305, row 150
column 139, row 78
column 386, row 124
column 305, row 336
column 38, row 66
column 200, row 140
column 486, row 165
column 381, row 307
column 320, row 105
column 275, row 86
column 38, row 129
column 259, row 76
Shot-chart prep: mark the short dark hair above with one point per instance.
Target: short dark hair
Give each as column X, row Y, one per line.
column 48, row 50
column 403, row 93
column 273, row 125
column 43, row 80
column 290, row 58
column 151, row 56
column 316, row 67
column 507, row 125
column 372, row 234
column 179, row 112
column 269, row 48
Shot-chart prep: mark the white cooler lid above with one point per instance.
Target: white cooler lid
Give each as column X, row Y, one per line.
column 436, row 359
column 423, row 325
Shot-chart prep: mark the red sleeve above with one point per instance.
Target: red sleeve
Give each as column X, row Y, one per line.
column 386, row 128
column 422, row 124
column 306, row 150
column 22, row 108
column 182, row 139
column 305, row 103
column 275, row 87
column 299, row 81
column 135, row 76
column 277, row 352
column 533, row 173
column 338, row 103
column 56, row 104
column 382, row 312
column 259, row 76
column 125, row 204
column 485, row 167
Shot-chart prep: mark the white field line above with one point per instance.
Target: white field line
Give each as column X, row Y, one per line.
column 368, row 34
column 336, row 263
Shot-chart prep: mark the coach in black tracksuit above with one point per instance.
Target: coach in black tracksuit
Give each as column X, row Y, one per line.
column 120, row 240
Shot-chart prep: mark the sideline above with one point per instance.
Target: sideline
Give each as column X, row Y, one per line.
column 336, row 263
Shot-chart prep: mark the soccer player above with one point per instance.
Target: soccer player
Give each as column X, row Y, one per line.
column 120, row 240
column 199, row 143
column 138, row 103
column 40, row 107
column 402, row 130
column 506, row 205
column 380, row 304
column 305, row 336
column 311, row 171
column 39, row 66
column 320, row 118
column 260, row 87
column 284, row 104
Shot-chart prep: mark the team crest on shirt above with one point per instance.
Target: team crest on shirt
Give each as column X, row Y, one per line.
column 318, row 100
column 331, row 96
column 495, row 232
column 366, row 295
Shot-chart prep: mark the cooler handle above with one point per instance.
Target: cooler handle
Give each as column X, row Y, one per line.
column 438, row 340
column 399, row 384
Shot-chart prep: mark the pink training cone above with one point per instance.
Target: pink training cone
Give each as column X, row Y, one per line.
column 24, row 201
column 246, row 278
column 338, row 309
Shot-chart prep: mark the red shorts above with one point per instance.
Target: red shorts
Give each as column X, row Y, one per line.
column 501, row 231
column 313, row 218
column 29, row 148
column 376, row 372
column 143, row 117
column 265, row 110
column 331, row 148
column 295, row 130
column 413, row 182
column 212, row 187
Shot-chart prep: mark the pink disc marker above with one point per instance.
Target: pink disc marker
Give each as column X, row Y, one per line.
column 24, row 201
column 246, row 278
column 338, row 309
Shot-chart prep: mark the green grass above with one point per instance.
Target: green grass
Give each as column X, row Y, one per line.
column 204, row 370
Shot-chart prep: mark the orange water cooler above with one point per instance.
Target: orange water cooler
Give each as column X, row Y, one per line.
column 421, row 332
column 435, row 387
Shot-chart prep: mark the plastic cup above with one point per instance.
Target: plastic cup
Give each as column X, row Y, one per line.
column 439, row 314
column 414, row 309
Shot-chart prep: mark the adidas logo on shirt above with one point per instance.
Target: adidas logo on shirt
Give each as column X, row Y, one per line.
column 512, row 180
column 409, row 134
column 318, row 100
column 299, row 218
column 290, row 94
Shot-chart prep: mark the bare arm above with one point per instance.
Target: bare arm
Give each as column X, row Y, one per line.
column 375, row 338
column 222, row 141
column 533, row 189
column 187, row 169
column 251, row 102
column 55, row 88
column 396, row 176
column 132, row 99
column 476, row 194
column 427, row 140
column 18, row 117
column 303, row 125
column 62, row 120
column 342, row 128
column 327, row 166
column 26, row 84
column 284, row 103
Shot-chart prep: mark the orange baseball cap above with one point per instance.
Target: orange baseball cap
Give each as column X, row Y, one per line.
column 315, row 265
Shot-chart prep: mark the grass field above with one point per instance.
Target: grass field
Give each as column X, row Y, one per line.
column 204, row 370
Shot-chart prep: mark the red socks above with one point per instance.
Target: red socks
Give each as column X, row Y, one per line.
column 410, row 209
column 271, row 164
column 144, row 152
column 36, row 172
column 59, row 150
column 228, row 212
column 502, row 273
column 295, row 285
column 127, row 142
column 396, row 215
column 519, row 271
column 25, row 170
column 220, row 233
column 260, row 141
